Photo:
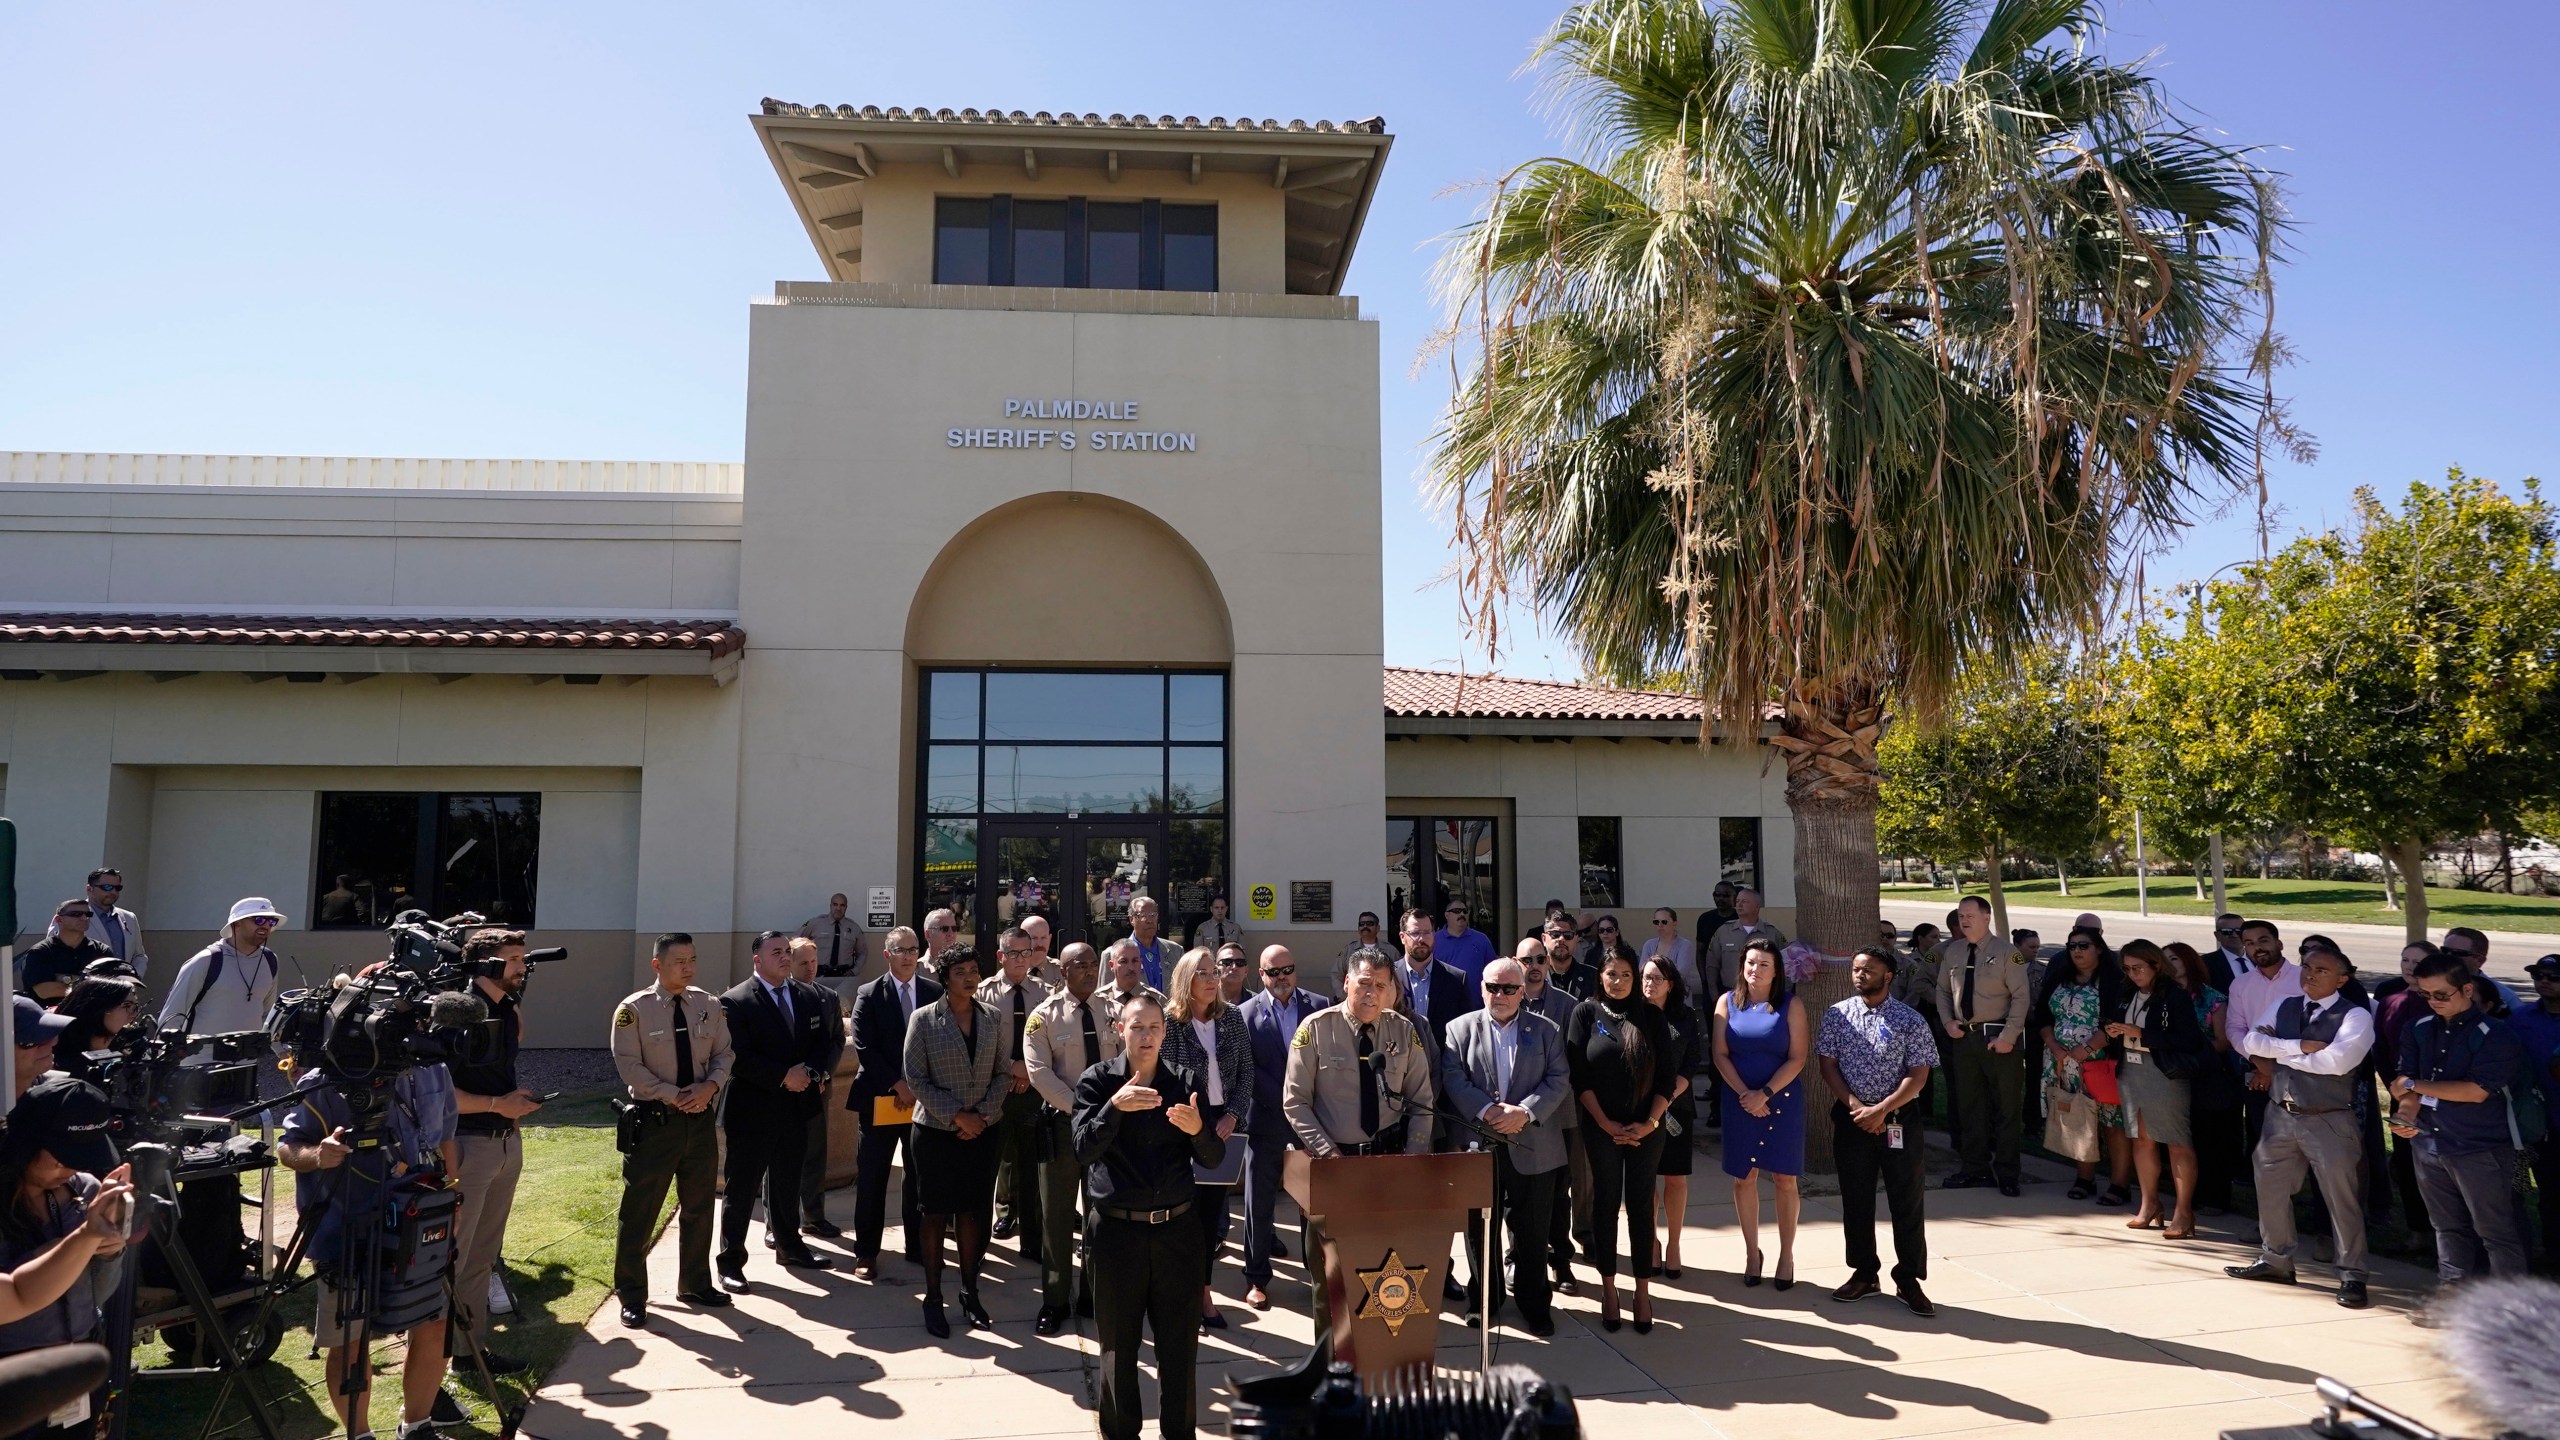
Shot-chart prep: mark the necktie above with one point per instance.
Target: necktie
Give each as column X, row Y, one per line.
column 1020, row 1018
column 1964, row 1002
column 835, row 947
column 782, row 1002
column 684, row 1047
column 1368, row 1085
column 1092, row 1042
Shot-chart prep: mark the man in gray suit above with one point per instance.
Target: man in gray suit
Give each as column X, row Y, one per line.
column 1503, row 1067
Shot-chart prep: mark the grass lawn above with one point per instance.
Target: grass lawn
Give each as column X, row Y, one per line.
column 559, row 1264
column 2311, row 900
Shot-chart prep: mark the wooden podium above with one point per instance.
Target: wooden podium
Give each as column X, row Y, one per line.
column 1386, row 1222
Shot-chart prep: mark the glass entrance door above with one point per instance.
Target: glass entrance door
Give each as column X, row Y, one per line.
column 1081, row 877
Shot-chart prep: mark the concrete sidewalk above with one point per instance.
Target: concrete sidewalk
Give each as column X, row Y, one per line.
column 2050, row 1311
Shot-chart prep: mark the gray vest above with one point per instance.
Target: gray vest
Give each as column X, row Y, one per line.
column 2305, row 1091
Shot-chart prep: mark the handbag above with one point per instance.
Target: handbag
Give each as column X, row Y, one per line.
column 2098, row 1078
column 2070, row 1124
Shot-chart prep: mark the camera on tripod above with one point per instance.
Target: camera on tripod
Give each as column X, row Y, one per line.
column 381, row 1022
column 157, row 1096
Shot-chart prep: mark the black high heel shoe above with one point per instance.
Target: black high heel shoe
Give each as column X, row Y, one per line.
column 1644, row 1311
column 936, row 1324
column 971, row 1307
column 1786, row 1275
column 1751, row 1270
column 1609, row 1308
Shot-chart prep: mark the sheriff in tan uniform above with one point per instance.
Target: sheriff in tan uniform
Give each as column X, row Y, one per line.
column 1358, row 1084
column 1069, row 1032
column 671, row 1048
column 1011, row 997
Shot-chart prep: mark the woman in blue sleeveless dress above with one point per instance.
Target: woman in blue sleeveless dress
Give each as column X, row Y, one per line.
column 1762, row 1043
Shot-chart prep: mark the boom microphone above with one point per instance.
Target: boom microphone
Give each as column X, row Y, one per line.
column 2497, row 1337
column 35, row 1384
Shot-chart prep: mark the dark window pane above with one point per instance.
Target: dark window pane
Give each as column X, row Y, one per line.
column 1111, row 246
column 954, row 708
column 950, row 871
column 1738, row 850
column 1074, row 707
column 1463, row 865
column 1039, row 242
column 487, row 849
column 1195, row 874
column 960, row 241
column 1199, row 707
column 1199, row 783
column 1086, row 779
column 1191, row 247
column 369, row 860
column 1117, row 870
column 1599, row 845
column 951, row 780
column 1401, row 877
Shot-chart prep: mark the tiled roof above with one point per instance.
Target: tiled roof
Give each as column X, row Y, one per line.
column 1447, row 695
column 1374, row 125
column 719, row 637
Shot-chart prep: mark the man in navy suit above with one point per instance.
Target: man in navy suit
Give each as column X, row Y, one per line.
column 778, row 1028
column 1439, row 990
column 1271, row 1020
column 881, row 1010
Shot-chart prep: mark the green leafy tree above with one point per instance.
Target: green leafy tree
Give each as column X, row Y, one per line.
column 1854, row 348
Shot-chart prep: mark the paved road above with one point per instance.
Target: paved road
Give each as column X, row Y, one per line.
column 2372, row 947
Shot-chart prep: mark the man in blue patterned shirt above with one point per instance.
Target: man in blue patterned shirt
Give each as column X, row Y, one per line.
column 1876, row 1056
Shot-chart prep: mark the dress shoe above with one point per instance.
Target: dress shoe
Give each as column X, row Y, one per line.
column 2259, row 1271
column 2351, row 1295
column 1450, row 1289
column 1258, row 1298
column 733, row 1282
column 2009, row 1188
column 1855, row 1288
column 1565, row 1285
column 975, row 1310
column 1051, row 1320
column 769, row 1242
column 1541, row 1325
column 866, row 1269
column 1005, row 1229
column 1213, row 1320
column 706, row 1299
column 635, row 1317
column 936, row 1324
column 1908, row 1292
column 825, row 1229
column 1964, row 1180
column 802, row 1258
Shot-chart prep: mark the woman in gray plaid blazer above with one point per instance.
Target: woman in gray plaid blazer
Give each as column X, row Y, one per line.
column 1196, row 1005
column 955, row 1063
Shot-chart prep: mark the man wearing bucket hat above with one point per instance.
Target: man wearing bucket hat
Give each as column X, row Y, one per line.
column 229, row 985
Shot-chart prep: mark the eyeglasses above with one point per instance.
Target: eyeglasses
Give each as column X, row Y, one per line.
column 1274, row 972
column 1019, row 954
column 1499, row 987
column 898, row 949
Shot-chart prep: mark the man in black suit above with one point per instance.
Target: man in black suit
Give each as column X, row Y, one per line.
column 881, row 1010
column 2225, row 959
column 808, row 1199
column 1438, row 990
column 778, row 1029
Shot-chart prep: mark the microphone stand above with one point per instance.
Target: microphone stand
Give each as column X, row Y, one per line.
column 1492, row 1251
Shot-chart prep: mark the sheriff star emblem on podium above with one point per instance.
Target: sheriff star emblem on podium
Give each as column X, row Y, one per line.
column 1395, row 1293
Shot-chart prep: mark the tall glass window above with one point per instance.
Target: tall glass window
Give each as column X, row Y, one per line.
column 1434, row 859
column 1738, row 850
column 1111, row 238
column 962, row 241
column 1039, row 242
column 380, row 854
column 1191, row 247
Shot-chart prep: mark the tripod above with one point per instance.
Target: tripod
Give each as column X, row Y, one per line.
column 155, row 1200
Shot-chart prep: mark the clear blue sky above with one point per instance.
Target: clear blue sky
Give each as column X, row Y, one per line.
column 533, row 230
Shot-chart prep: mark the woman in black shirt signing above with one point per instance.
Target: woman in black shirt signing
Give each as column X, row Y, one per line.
column 1625, row 1072
column 1138, row 1130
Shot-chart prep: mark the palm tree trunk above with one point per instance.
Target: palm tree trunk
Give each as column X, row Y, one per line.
column 1832, row 780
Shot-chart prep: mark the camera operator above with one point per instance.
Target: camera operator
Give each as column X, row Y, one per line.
column 340, row 1189
column 489, row 1148
column 229, row 985
column 98, row 1008
column 55, row 1162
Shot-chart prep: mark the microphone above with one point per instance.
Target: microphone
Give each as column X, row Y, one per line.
column 2498, row 1336
column 35, row 1384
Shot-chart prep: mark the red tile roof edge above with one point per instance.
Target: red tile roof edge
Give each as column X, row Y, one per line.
column 1447, row 694
column 720, row 638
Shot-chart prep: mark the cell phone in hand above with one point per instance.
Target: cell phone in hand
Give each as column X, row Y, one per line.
column 547, row 1099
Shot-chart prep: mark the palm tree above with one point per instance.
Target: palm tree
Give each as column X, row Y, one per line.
column 1871, row 338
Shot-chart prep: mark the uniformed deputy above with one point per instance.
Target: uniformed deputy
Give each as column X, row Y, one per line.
column 1069, row 1033
column 1720, row 960
column 1128, row 974
column 671, row 1047
column 1983, row 997
column 1358, row 1084
column 1011, row 997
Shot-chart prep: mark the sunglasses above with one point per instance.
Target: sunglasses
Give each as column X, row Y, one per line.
column 263, row 922
column 2439, row 997
column 1276, row 971
column 2082, row 945
column 73, row 915
column 110, row 889
column 942, row 929
column 1238, row 963
column 2226, row 929
column 1608, row 929
column 1499, row 987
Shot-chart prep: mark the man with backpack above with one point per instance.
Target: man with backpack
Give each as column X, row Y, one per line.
column 229, row 985
column 2451, row 1093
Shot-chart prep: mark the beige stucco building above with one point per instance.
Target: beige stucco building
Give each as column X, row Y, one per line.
column 1052, row 577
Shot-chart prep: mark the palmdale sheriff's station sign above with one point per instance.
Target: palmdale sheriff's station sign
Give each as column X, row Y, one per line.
column 1123, row 413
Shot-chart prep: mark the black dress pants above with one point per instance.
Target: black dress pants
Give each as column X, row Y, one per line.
column 766, row 1144
column 1527, row 1203
column 1621, row 1179
column 1863, row 1158
column 1147, row 1277
column 2220, row 1156
column 881, row 1147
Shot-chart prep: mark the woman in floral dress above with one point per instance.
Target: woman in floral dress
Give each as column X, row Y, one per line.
column 2070, row 1010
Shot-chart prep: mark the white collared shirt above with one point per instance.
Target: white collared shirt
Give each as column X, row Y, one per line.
column 1506, row 1055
